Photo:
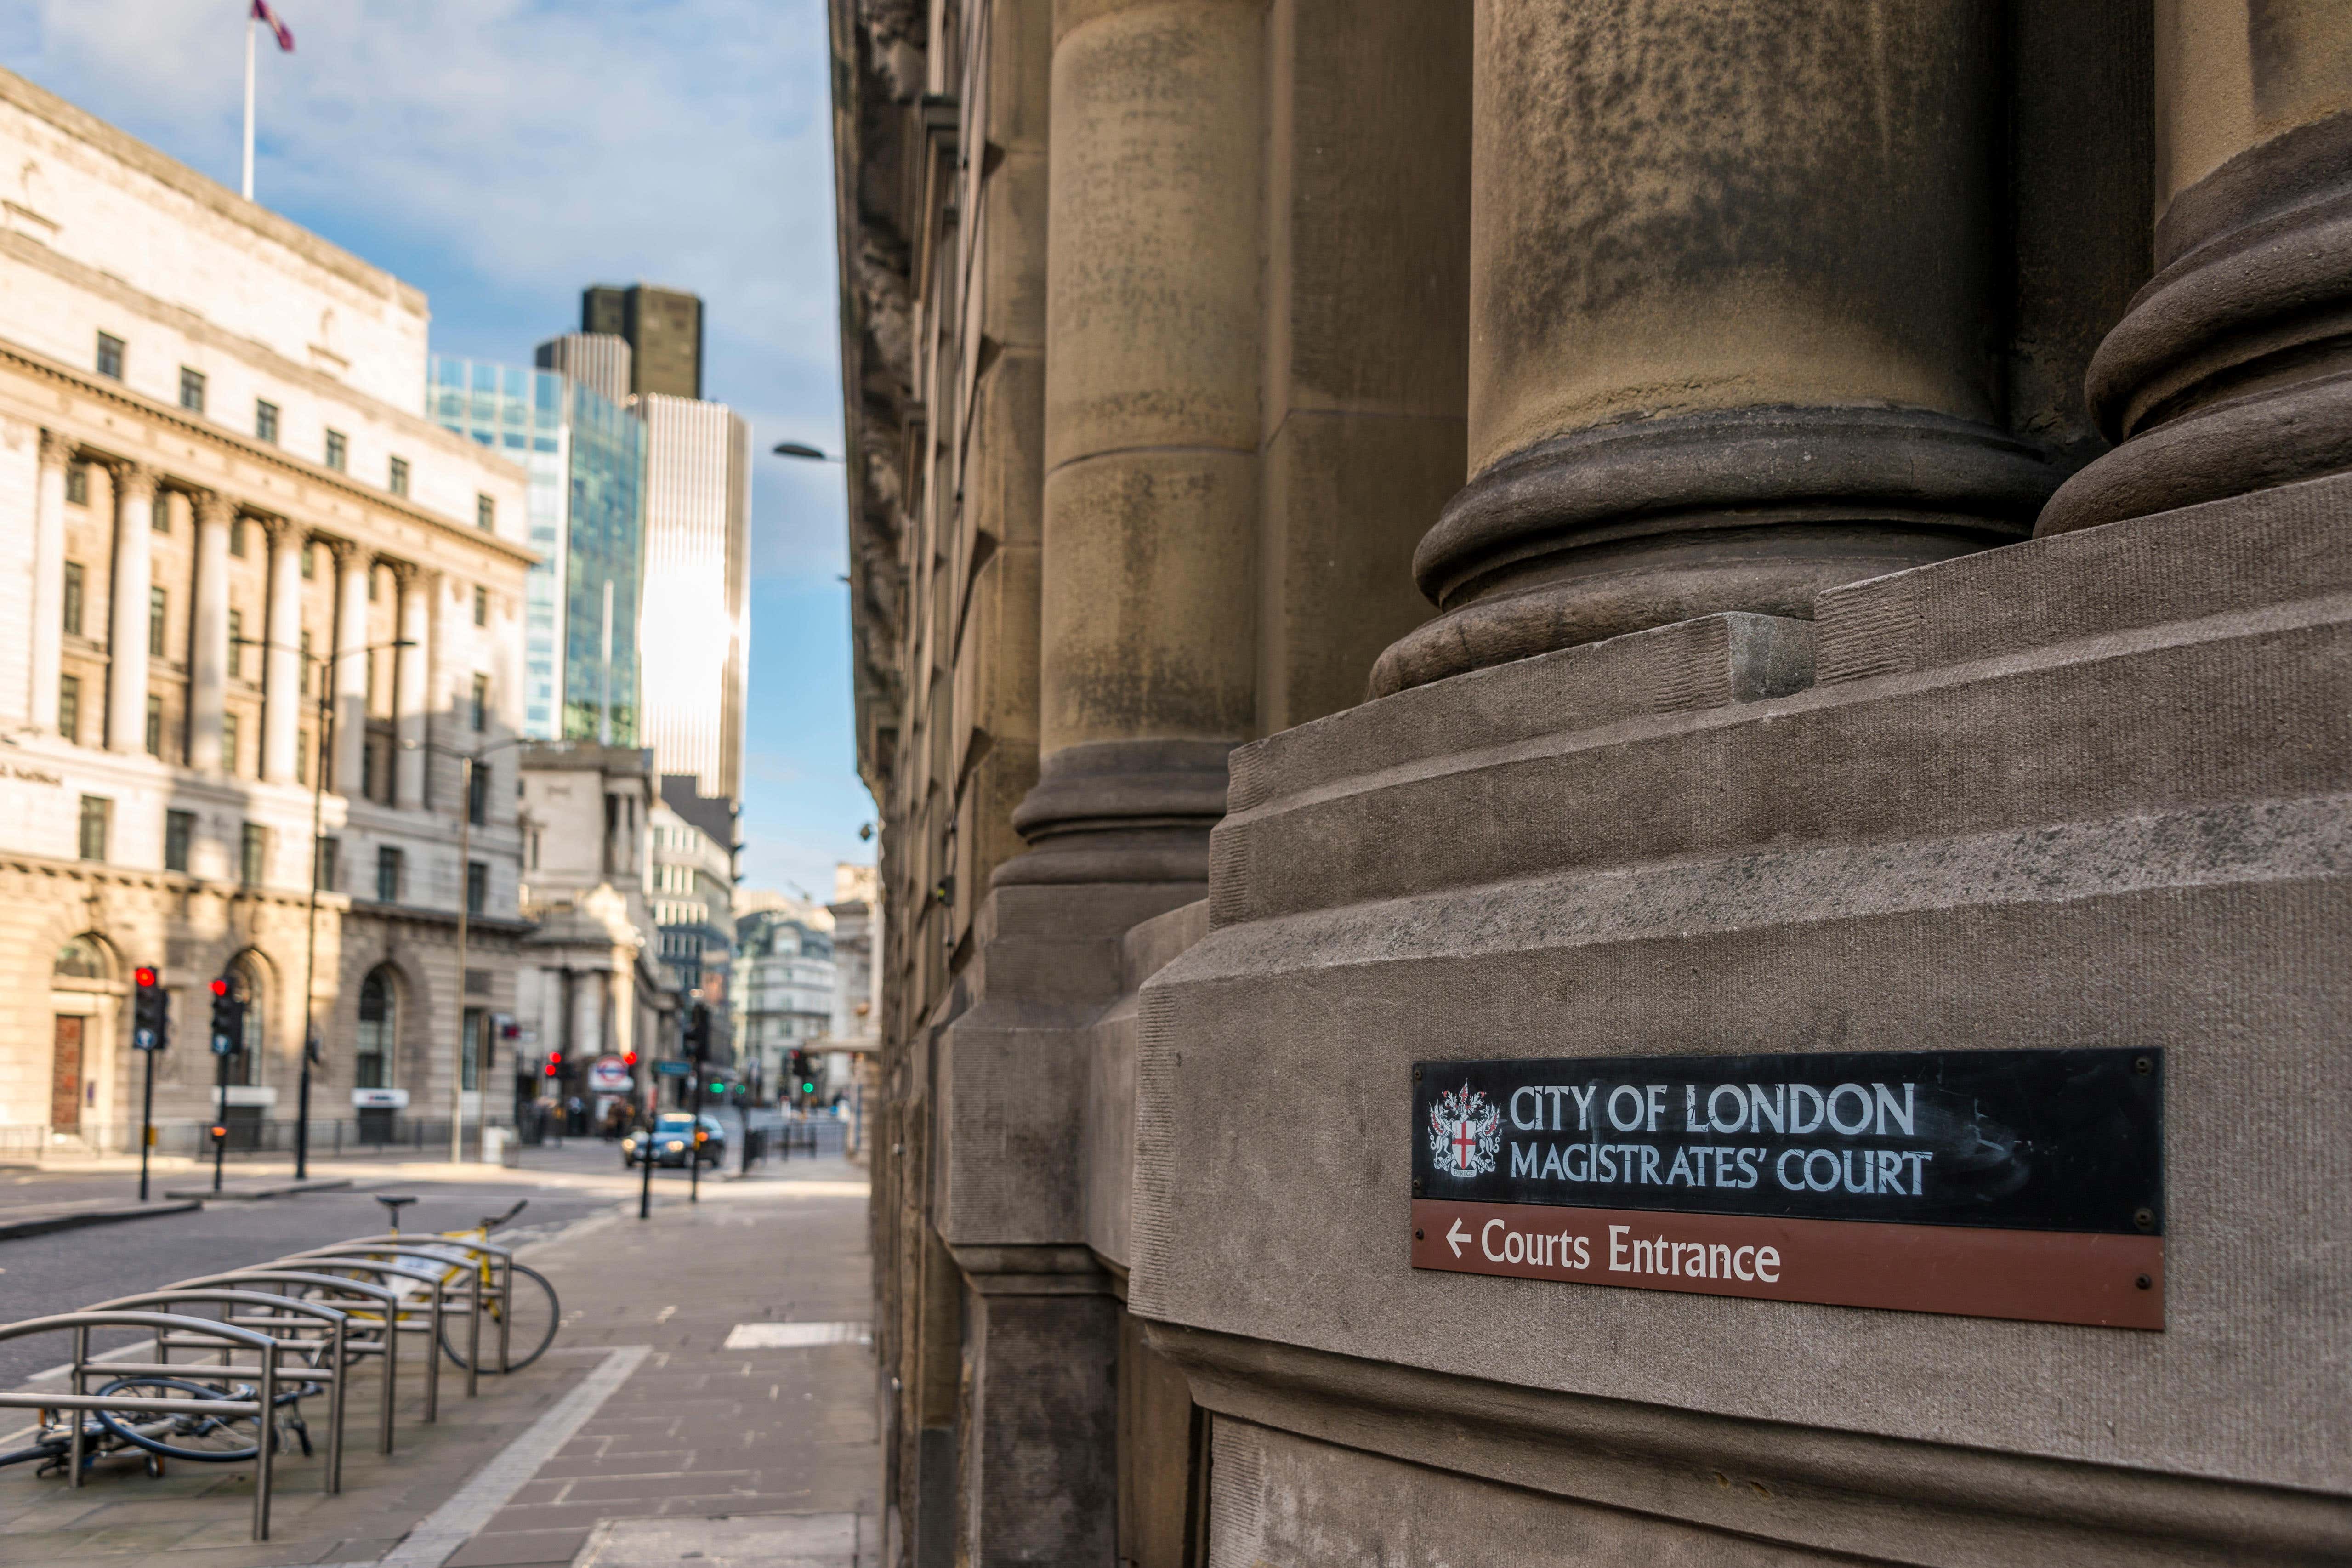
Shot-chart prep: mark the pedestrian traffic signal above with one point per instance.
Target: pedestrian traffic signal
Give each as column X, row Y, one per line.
column 151, row 1011
column 228, row 1018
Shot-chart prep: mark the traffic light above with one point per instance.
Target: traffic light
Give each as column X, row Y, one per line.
column 697, row 1034
column 628, row 1059
column 228, row 1020
column 151, row 1011
column 555, row 1064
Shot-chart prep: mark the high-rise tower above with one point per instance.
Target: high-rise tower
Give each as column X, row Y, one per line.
column 664, row 328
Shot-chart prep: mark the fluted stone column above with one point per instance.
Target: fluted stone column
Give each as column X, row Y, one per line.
column 48, row 651
column 1147, row 666
column 412, row 702
column 281, row 668
column 1735, row 298
column 134, row 577
column 352, row 565
column 2232, row 372
column 208, row 634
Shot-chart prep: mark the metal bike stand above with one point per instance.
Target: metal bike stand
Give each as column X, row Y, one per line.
column 387, row 1302
column 329, row 1320
column 158, row 1323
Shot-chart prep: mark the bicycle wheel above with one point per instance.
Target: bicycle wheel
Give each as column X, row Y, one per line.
column 177, row 1435
column 536, row 1315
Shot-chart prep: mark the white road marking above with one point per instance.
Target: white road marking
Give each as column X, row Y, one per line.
column 793, row 1336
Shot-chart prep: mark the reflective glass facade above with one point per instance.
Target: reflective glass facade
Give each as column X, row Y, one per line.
column 586, row 460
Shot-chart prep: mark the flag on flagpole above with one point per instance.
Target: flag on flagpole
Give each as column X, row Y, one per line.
column 284, row 34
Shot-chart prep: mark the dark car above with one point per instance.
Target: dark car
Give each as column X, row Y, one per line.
column 673, row 1134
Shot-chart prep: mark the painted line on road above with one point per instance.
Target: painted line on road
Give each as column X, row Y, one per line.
column 439, row 1534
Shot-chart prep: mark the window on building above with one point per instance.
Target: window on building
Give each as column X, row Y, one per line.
column 159, row 603
column 309, row 559
column 302, row 758
column 73, row 598
column 486, row 513
column 304, row 679
column 159, row 515
column 236, row 643
column 339, row 450
column 481, row 704
column 397, row 482
column 377, row 1031
column 477, row 887
column 179, row 827
column 155, row 726
column 265, row 420
column 229, row 739
column 387, row 875
column 481, row 606
column 69, row 707
column 477, row 796
column 78, row 484
column 109, row 355
column 236, row 537
column 329, row 870
column 252, row 849
column 97, row 812
column 192, row 390
column 376, row 768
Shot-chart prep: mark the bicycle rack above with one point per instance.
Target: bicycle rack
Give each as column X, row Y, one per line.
column 327, row 1321
column 261, row 1407
column 501, row 1288
column 407, row 1281
column 356, row 1345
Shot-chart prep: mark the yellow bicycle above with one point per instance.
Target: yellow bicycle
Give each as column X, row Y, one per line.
column 526, row 1310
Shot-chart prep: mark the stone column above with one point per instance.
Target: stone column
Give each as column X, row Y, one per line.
column 412, row 702
column 2231, row 372
column 1148, row 665
column 208, row 632
column 126, row 641
column 352, row 565
column 282, row 667
column 48, row 580
column 1735, row 286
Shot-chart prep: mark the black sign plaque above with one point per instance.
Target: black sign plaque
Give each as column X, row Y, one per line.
column 1860, row 1161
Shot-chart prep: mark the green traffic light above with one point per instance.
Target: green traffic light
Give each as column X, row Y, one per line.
column 808, row 1088
column 719, row 1088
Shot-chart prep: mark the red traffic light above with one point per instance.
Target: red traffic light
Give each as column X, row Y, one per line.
column 628, row 1059
column 144, row 977
column 220, row 987
column 218, row 1131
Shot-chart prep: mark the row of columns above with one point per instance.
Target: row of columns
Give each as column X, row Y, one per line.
column 138, row 491
column 1738, row 285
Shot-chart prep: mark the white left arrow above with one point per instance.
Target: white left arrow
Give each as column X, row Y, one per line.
column 1457, row 1237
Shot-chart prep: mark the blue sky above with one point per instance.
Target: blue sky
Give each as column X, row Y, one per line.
column 502, row 153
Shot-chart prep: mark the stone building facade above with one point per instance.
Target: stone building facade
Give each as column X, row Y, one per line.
column 1386, row 532
column 248, row 592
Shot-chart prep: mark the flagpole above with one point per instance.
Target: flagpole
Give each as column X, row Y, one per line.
column 248, row 105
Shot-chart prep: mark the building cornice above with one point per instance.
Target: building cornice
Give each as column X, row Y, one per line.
column 180, row 421
column 207, row 194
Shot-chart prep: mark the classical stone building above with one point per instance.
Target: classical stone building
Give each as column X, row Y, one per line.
column 1521, row 532
column 240, row 567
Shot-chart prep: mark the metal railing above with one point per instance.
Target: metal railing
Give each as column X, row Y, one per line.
column 330, row 1137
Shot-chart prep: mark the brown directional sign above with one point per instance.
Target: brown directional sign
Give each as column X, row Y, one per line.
column 2023, row 1184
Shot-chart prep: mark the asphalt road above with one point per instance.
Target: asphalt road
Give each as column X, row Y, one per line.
column 68, row 1269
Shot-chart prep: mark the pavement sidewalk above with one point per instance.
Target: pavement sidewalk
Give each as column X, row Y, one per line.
column 710, row 1396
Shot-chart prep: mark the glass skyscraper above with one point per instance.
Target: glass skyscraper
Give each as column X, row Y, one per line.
column 585, row 456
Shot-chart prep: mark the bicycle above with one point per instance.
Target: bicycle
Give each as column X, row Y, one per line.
column 526, row 1311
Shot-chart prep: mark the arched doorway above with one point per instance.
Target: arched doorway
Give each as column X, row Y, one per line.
column 82, row 982
column 376, row 1045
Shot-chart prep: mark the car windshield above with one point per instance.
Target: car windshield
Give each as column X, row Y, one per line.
column 675, row 1120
